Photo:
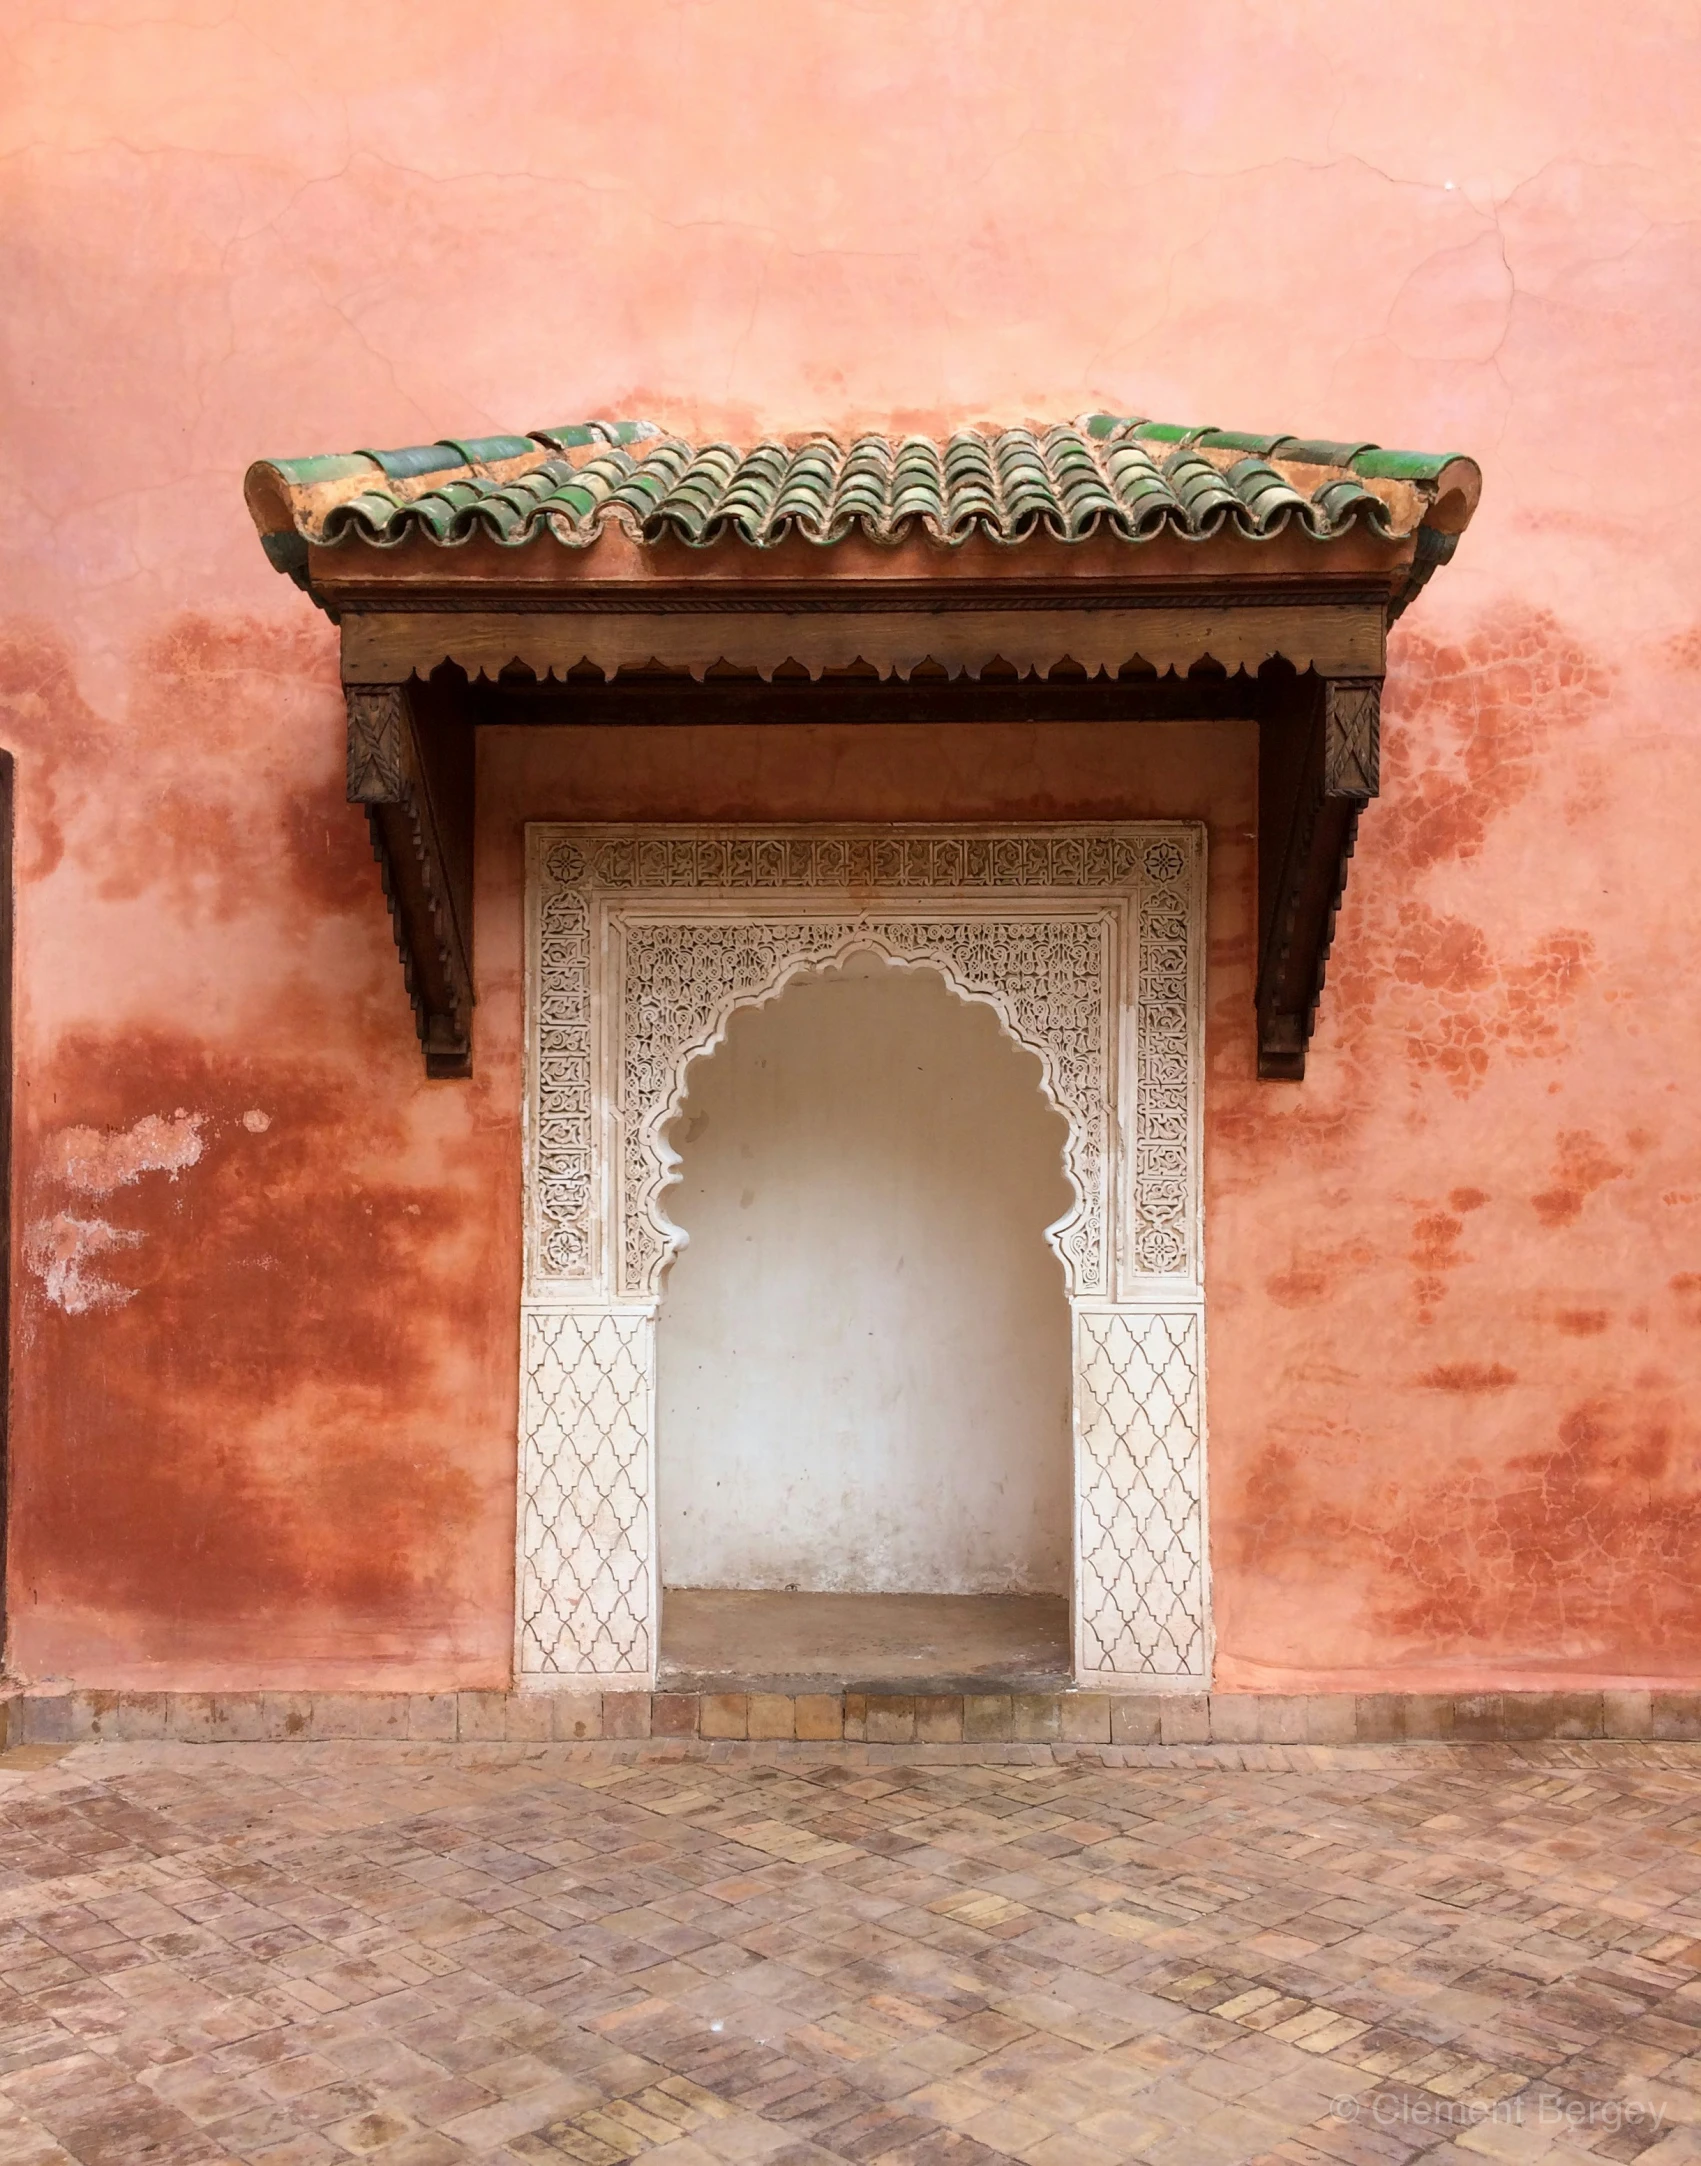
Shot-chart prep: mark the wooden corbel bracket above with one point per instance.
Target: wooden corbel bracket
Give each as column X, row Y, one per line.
column 410, row 763
column 1318, row 760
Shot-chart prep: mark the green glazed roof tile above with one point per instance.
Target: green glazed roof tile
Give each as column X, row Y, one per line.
column 416, row 459
column 1119, row 475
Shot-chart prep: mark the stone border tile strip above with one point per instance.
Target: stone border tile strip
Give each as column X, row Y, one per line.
column 935, row 1722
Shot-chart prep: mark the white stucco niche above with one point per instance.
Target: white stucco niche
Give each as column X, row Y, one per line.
column 1086, row 943
column 863, row 1349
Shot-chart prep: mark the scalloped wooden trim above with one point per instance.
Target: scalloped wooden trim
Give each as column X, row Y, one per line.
column 1336, row 639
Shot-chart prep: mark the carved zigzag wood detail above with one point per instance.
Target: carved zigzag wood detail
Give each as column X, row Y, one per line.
column 410, row 765
column 412, row 773
column 1319, row 766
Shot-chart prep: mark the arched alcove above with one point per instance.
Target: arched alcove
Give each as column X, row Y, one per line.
column 1073, row 948
column 863, row 1348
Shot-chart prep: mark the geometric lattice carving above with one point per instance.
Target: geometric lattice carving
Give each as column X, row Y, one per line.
column 585, row 1594
column 377, row 719
column 1352, row 737
column 1140, row 1597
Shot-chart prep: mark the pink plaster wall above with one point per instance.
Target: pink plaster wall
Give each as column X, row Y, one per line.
column 263, row 1352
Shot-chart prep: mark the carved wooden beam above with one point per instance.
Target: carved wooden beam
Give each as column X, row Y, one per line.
column 1343, row 636
column 410, row 763
column 1318, row 755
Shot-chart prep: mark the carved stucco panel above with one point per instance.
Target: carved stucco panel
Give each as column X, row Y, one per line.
column 1166, row 1081
column 643, row 944
column 1139, row 1494
column 564, row 1084
column 1153, row 873
column 682, row 982
column 587, row 1594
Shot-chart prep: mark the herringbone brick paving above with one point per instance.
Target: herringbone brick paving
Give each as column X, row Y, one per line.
column 422, row 1954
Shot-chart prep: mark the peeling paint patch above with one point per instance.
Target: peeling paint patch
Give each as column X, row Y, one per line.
column 59, row 1251
column 95, row 1161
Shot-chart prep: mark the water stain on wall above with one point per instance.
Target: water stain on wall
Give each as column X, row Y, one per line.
column 224, row 777
column 1435, row 1249
column 1469, row 730
column 235, row 732
column 64, row 744
column 1467, row 727
column 273, row 1409
column 1469, row 724
column 1313, row 1274
column 1468, row 1376
column 1466, row 1003
column 1515, row 1496
column 1582, row 1549
column 1585, row 1547
column 1582, row 1164
column 1470, row 733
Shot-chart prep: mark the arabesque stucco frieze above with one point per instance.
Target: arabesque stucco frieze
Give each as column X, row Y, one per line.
column 644, row 944
column 1049, row 975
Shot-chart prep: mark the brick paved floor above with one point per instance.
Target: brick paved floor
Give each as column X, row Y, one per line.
column 418, row 1954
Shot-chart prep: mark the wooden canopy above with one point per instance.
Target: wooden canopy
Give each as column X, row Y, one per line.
column 1110, row 567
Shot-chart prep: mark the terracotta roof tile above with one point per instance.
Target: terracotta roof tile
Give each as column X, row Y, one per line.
column 1105, row 473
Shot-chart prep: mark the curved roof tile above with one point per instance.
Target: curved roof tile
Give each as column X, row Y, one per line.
column 1104, row 473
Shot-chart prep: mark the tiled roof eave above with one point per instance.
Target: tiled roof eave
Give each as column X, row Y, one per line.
column 1109, row 552
column 472, row 525
column 1104, row 480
